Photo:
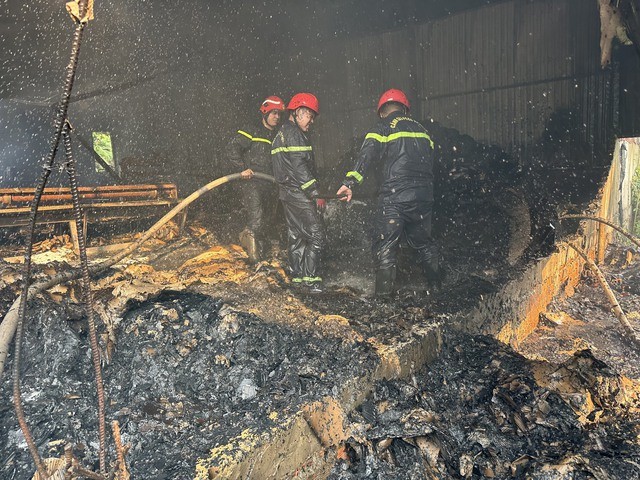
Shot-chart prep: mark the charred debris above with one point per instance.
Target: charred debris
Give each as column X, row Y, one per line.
column 190, row 365
column 189, row 347
column 198, row 347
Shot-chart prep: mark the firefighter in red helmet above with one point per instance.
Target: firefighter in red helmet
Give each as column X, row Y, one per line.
column 295, row 172
column 404, row 151
column 249, row 151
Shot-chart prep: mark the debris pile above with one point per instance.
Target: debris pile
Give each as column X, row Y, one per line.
column 187, row 373
column 583, row 319
column 478, row 412
column 204, row 349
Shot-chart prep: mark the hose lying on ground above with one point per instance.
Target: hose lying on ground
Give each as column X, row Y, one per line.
column 9, row 323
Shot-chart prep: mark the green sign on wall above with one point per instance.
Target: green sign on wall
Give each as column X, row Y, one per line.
column 103, row 147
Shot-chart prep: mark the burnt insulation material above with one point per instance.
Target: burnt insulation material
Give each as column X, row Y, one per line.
column 477, row 412
column 188, row 373
column 475, row 184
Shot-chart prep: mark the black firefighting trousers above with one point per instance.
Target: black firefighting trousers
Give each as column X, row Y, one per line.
column 306, row 237
column 259, row 201
column 413, row 219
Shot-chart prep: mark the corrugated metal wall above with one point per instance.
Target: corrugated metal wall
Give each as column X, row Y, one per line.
column 523, row 75
column 517, row 74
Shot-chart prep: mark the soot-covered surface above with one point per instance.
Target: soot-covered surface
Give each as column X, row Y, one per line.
column 585, row 320
column 479, row 412
column 188, row 373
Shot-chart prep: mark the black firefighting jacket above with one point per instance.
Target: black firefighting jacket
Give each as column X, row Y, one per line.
column 293, row 163
column 403, row 149
column 251, row 148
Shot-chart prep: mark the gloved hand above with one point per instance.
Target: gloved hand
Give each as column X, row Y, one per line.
column 321, row 204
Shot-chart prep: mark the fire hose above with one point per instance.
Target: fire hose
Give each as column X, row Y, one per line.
column 9, row 323
column 12, row 321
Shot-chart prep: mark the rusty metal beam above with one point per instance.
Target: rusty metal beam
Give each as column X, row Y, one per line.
column 100, row 203
column 9, row 197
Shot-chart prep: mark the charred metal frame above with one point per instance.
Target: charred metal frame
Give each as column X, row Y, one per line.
column 101, row 203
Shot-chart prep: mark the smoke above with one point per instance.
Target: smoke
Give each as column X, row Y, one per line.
column 172, row 80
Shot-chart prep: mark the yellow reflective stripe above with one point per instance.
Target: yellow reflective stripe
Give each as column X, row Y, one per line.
column 297, row 280
column 308, row 184
column 312, row 279
column 254, row 139
column 395, row 136
column 290, row 149
column 377, row 137
column 355, row 175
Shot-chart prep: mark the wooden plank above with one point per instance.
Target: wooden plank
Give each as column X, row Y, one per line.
column 16, row 196
column 101, row 206
column 106, row 250
column 73, row 227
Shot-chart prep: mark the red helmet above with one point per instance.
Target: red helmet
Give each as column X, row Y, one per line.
column 271, row 103
column 393, row 95
column 304, row 100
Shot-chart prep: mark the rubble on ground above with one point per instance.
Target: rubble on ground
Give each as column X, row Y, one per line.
column 201, row 347
column 583, row 319
column 183, row 366
column 483, row 411
column 186, row 373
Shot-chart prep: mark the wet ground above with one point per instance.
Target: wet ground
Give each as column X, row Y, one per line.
column 481, row 411
column 200, row 347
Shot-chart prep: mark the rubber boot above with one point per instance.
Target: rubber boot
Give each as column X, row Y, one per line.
column 433, row 275
column 250, row 244
column 385, row 279
column 314, row 287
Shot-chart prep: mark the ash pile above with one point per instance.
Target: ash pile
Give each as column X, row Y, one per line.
column 585, row 320
column 187, row 373
column 483, row 411
column 482, row 217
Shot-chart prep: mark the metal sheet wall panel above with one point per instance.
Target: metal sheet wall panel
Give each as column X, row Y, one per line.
column 364, row 58
column 504, row 74
column 399, row 63
column 543, row 40
column 370, row 65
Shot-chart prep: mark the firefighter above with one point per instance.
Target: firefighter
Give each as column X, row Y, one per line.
column 294, row 171
column 249, row 151
column 403, row 150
